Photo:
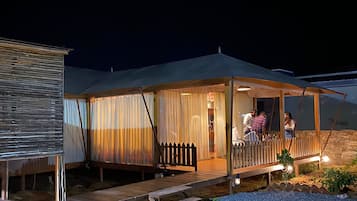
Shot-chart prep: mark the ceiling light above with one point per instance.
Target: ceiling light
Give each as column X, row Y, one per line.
column 185, row 94
column 243, row 88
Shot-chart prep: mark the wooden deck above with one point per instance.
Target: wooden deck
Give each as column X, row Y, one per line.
column 209, row 172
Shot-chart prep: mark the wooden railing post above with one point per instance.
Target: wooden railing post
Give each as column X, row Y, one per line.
column 194, row 156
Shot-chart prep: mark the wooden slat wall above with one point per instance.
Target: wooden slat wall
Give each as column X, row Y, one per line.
column 31, row 103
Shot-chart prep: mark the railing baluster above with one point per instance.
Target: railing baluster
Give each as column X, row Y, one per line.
column 175, row 154
column 170, row 153
column 188, row 155
column 194, row 156
column 166, row 153
column 179, row 154
column 183, row 154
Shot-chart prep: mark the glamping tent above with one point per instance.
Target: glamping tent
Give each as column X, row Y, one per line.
column 31, row 106
column 194, row 101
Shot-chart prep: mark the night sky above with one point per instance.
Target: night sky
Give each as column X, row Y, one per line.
column 307, row 39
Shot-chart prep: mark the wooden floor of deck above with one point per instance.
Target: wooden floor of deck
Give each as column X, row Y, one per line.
column 209, row 172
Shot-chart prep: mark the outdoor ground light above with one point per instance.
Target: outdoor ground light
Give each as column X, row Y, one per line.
column 237, row 180
column 289, row 169
column 325, row 159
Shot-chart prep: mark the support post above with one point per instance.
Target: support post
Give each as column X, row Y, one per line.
column 23, row 182
column 60, row 179
column 317, row 121
column 296, row 169
column 5, row 181
column 101, row 176
column 281, row 117
column 268, row 178
column 229, row 112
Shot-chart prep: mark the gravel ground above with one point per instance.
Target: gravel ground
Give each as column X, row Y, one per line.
column 281, row 196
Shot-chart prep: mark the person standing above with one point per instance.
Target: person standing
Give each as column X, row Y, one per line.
column 289, row 125
column 259, row 124
column 248, row 121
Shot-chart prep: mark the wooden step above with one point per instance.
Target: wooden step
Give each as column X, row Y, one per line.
column 156, row 195
column 192, row 199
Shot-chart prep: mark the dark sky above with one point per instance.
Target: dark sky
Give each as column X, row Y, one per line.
column 307, row 39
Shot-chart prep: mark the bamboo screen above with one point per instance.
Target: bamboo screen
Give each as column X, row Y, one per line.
column 31, row 100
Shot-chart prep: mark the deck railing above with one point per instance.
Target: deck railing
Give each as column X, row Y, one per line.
column 178, row 154
column 264, row 152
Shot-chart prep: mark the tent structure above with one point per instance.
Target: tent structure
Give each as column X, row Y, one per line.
column 178, row 96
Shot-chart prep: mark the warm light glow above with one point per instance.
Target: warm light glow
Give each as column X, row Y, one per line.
column 290, row 169
column 237, row 180
column 243, row 88
column 325, row 159
column 186, row 94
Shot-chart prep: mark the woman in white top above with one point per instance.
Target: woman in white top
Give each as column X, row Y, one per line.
column 289, row 125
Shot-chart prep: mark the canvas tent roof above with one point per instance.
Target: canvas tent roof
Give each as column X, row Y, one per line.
column 77, row 80
column 209, row 67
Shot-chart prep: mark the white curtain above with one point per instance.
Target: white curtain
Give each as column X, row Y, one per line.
column 74, row 146
column 220, row 124
column 183, row 118
column 121, row 129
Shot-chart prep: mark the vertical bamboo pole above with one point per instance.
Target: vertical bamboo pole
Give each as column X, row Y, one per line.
column 317, row 121
column 228, row 91
column 281, row 115
column 5, row 181
column 155, row 151
column 60, row 186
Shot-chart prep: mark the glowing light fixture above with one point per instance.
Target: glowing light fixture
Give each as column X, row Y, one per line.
column 237, row 180
column 186, row 94
column 243, row 88
column 325, row 159
column 290, row 169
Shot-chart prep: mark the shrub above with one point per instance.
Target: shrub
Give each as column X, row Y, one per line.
column 285, row 158
column 336, row 180
column 307, row 168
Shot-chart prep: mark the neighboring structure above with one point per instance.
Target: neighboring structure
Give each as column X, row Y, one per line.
column 31, row 106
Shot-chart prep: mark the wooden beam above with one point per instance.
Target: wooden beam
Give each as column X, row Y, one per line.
column 317, row 113
column 317, row 121
column 281, row 115
column 229, row 112
column 60, row 183
column 5, row 180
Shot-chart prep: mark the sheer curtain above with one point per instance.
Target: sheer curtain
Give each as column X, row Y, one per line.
column 74, row 147
column 183, row 118
column 121, row 130
column 242, row 104
column 220, row 123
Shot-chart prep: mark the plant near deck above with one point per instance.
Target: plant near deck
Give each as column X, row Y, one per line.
column 285, row 159
column 336, row 180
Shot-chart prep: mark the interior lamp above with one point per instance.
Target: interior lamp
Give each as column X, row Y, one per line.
column 243, row 88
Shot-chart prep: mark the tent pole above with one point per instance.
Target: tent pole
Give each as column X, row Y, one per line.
column 228, row 91
column 281, row 115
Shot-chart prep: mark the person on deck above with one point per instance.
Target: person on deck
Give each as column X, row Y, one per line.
column 248, row 121
column 259, row 124
column 289, row 125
